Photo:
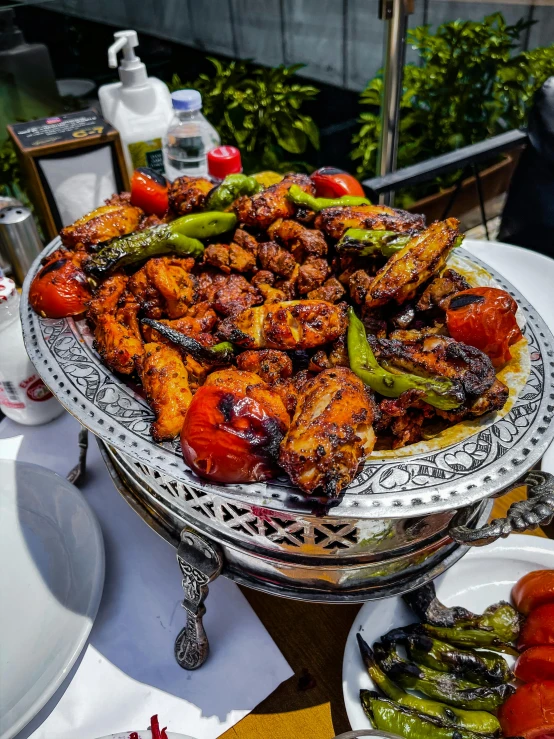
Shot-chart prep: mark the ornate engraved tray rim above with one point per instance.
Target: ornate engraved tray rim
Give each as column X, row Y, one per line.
column 481, row 465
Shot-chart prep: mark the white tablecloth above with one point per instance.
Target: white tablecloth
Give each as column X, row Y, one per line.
column 128, row 671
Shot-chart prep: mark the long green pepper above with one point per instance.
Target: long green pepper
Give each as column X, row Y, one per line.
column 361, row 242
column 232, row 187
column 304, row 199
column 438, row 392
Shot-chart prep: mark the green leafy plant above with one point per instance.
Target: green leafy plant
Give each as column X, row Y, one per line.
column 469, row 86
column 259, row 110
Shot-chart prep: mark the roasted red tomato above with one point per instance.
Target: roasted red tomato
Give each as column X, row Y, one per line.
column 535, row 664
column 60, row 289
column 229, row 436
column 484, row 317
column 334, row 183
column 538, row 629
column 149, row 191
column 529, row 712
column 533, row 590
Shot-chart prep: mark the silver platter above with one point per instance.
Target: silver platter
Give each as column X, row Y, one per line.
column 490, row 460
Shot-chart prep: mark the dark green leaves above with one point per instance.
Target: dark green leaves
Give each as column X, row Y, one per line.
column 259, row 110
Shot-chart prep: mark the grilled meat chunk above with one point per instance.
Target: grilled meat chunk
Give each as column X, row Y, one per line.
column 335, row 221
column 266, row 206
column 274, row 258
column 271, row 365
column 229, row 257
column 492, row 399
column 107, row 296
column 166, row 383
column 102, row 224
column 438, row 356
column 331, row 432
column 246, row 241
column 208, row 282
column 234, row 295
column 188, row 194
column 117, row 336
column 312, row 274
column 302, row 242
column 263, row 277
column 331, row 291
column 436, row 294
column 422, row 257
column 296, row 324
column 358, row 285
column 164, row 284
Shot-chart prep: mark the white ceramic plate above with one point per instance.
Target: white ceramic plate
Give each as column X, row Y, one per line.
column 51, row 580
column 481, row 578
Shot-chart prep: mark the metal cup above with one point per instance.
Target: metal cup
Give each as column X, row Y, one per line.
column 20, row 242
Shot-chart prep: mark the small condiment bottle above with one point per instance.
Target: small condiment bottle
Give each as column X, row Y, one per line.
column 23, row 395
column 222, row 161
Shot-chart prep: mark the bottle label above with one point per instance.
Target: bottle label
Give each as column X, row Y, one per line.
column 15, row 396
column 147, row 154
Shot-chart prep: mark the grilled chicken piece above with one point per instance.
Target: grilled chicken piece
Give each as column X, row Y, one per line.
column 166, row 383
column 436, row 294
column 208, row 282
column 266, row 206
column 302, row 242
column 102, row 224
column 330, row 434
column 272, row 294
column 312, row 274
column 331, row 291
column 271, row 365
column 274, row 258
column 358, row 285
column 107, row 296
column 493, row 399
column 188, row 194
column 234, row 295
column 198, row 323
column 422, row 257
column 438, row 356
column 241, row 382
column 117, row 336
column 164, row 284
column 295, row 324
column 335, row 221
column 229, row 257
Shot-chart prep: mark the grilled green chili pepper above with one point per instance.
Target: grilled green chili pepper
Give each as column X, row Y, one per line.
column 479, row 721
column 468, row 637
column 386, row 715
column 478, row 668
column 299, row 197
column 439, row 392
column 232, row 187
column 178, row 237
column 363, row 243
column 440, row 685
column 218, row 354
column 501, row 618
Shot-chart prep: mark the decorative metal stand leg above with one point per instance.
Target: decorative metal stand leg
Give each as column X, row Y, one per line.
column 201, row 562
column 522, row 515
column 77, row 474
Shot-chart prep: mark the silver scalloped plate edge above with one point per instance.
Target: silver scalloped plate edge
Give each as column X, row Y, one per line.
column 481, row 465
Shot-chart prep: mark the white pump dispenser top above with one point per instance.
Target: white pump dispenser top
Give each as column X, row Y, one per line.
column 132, row 72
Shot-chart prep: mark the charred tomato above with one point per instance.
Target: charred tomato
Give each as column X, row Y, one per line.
column 529, row 712
column 535, row 664
column 538, row 629
column 229, row 436
column 334, row 183
column 61, row 288
column 149, row 191
column 533, row 590
column 484, row 317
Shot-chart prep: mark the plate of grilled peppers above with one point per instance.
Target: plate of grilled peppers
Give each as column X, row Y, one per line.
column 471, row 657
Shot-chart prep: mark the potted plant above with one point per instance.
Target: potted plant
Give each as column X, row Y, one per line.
column 470, row 84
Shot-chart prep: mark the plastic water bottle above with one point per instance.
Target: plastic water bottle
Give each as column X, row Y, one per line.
column 189, row 138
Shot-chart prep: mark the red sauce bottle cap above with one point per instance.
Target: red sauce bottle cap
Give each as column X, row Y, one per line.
column 224, row 160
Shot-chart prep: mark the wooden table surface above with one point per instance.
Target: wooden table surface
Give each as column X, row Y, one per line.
column 312, row 637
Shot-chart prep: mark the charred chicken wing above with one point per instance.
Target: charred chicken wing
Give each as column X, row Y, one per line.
column 188, row 194
column 262, row 209
column 165, row 381
column 302, row 242
column 117, row 337
column 164, row 285
column 295, row 324
column 102, row 224
column 330, row 434
column 335, row 221
column 422, row 257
